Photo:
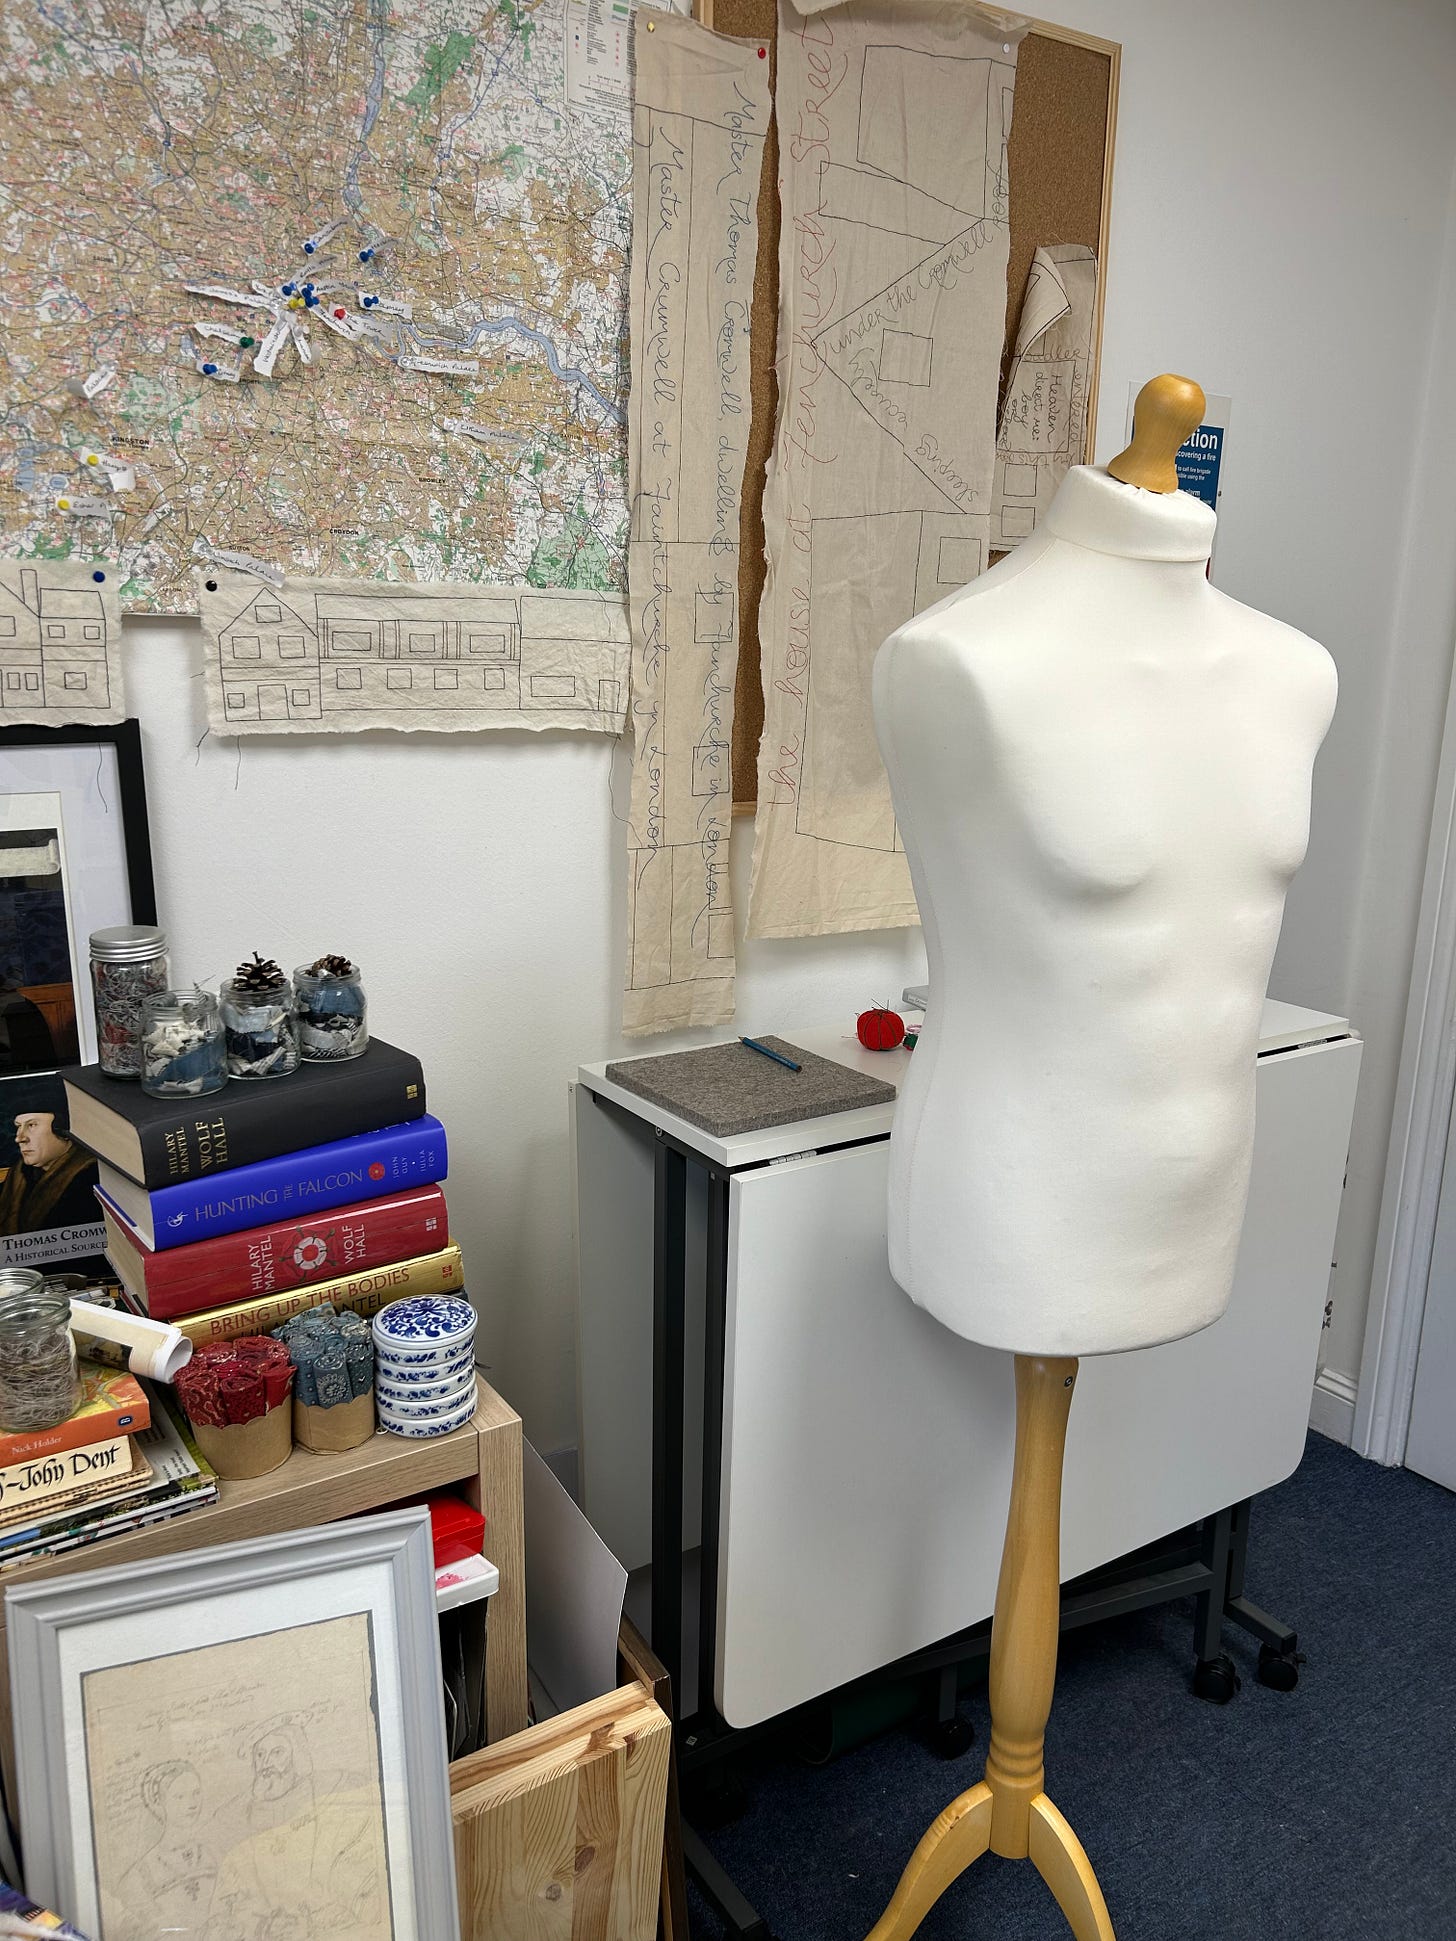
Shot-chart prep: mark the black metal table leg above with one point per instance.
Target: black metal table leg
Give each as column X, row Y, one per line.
column 1214, row 1676
column 738, row 1915
column 670, row 1194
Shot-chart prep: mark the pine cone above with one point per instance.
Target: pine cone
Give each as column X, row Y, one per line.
column 333, row 966
column 262, row 974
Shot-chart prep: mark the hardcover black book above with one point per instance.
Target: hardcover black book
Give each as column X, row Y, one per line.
column 157, row 1142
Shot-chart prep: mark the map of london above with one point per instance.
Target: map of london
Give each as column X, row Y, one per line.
column 432, row 389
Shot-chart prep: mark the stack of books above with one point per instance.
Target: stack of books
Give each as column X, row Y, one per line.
column 227, row 1214
column 123, row 1459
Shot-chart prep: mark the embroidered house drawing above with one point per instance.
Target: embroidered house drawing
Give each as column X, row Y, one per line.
column 52, row 646
column 323, row 655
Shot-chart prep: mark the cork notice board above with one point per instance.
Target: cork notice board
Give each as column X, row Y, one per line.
column 1060, row 160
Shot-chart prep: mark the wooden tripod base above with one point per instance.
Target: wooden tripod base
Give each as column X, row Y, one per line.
column 1008, row 1813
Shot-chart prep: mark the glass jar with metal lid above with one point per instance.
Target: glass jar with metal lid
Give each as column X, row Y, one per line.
column 39, row 1385
column 128, row 965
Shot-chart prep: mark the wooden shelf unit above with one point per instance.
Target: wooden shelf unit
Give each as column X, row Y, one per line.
column 483, row 1459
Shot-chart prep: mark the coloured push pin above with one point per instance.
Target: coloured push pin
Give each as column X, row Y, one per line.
column 370, row 302
column 309, row 248
column 63, row 505
column 295, row 303
column 93, row 458
column 209, row 370
column 340, row 311
column 246, row 343
column 310, row 303
column 366, row 255
column 288, row 288
column 100, row 578
column 308, row 289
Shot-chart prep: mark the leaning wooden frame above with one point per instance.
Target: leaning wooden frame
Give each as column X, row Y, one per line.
column 238, row 1733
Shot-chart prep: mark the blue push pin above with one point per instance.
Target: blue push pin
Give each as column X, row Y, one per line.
column 100, row 578
column 310, row 303
column 309, row 248
column 288, row 288
column 366, row 255
column 308, row 289
column 369, row 302
column 209, row 370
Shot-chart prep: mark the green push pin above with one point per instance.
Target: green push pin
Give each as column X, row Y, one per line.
column 246, row 343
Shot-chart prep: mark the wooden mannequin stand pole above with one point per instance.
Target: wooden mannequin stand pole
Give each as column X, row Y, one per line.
column 1008, row 1813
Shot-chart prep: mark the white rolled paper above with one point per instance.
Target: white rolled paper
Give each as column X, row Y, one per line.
column 148, row 1348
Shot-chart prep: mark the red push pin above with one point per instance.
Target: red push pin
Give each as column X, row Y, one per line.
column 763, row 53
column 339, row 310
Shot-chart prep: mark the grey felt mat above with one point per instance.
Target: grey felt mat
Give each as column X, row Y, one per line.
column 728, row 1088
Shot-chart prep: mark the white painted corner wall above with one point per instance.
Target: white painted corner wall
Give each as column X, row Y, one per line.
column 1278, row 210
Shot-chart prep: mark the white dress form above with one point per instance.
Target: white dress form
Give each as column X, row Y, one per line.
column 1101, row 769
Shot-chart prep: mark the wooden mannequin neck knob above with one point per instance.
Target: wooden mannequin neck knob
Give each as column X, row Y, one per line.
column 1168, row 410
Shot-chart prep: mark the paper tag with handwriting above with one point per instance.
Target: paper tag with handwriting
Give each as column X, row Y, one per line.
column 239, row 563
column 445, row 366
column 388, row 306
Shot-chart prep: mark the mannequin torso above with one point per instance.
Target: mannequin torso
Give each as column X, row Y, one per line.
column 1101, row 769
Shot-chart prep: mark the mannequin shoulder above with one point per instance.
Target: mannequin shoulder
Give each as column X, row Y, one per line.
column 1300, row 668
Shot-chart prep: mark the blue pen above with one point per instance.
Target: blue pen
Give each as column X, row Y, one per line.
column 769, row 1052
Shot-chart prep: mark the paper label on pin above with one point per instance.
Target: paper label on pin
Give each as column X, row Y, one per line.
column 85, row 505
column 445, row 366
column 301, row 341
column 326, row 234
column 472, row 428
column 96, row 383
column 341, row 326
column 386, row 306
column 221, row 373
column 260, row 569
column 266, row 355
column 225, row 293
column 122, row 478
column 222, row 333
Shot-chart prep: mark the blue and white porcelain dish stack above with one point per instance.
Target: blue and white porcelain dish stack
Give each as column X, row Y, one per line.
column 424, row 1365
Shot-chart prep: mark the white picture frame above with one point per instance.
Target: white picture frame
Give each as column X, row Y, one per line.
column 243, row 1739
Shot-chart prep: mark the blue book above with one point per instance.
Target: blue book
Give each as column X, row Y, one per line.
column 293, row 1185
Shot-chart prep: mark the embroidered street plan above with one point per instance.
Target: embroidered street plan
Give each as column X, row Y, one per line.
column 893, row 122
column 60, row 641
column 702, row 109
column 339, row 285
column 1044, row 415
column 315, row 656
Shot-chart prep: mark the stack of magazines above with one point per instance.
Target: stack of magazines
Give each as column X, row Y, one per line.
column 170, row 1477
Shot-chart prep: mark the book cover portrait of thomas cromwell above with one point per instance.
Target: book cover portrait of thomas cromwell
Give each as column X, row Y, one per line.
column 49, row 1218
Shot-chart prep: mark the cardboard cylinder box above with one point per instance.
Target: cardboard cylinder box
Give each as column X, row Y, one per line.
column 329, row 1431
column 238, row 1450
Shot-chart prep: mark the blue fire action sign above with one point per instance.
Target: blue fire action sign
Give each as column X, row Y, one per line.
column 1198, row 463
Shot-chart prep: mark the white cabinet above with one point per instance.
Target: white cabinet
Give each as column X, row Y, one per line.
column 866, row 1451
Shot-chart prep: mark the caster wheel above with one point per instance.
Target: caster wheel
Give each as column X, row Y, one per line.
column 1277, row 1669
column 1215, row 1679
column 951, row 1738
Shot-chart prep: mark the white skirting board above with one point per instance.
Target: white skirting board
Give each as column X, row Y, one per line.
column 1332, row 1409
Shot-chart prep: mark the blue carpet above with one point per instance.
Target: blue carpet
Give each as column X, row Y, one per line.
column 1323, row 1814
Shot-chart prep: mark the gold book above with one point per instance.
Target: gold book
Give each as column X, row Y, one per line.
column 365, row 1293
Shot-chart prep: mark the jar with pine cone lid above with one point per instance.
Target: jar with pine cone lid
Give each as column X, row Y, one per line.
column 332, row 1012
column 258, row 1021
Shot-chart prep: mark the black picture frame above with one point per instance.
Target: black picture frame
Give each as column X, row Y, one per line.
column 126, row 738
column 60, row 1238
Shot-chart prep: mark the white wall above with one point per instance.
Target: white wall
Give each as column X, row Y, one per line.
column 1279, row 216
column 1282, row 172
column 479, row 882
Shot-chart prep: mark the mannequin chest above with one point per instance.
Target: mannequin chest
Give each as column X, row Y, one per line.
column 1098, row 763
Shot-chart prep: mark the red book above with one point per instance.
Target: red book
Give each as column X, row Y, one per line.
column 278, row 1259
